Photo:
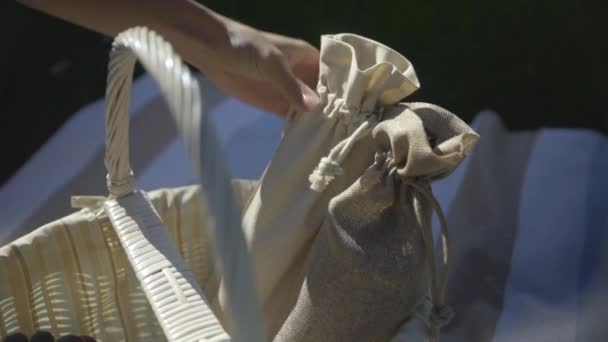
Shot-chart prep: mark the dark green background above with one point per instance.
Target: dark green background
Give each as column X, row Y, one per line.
column 538, row 63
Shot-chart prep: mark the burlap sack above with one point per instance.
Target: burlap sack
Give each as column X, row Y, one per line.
column 373, row 260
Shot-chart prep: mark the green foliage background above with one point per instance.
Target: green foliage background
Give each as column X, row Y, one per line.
column 535, row 62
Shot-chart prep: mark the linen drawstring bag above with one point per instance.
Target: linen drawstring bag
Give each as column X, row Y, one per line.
column 322, row 154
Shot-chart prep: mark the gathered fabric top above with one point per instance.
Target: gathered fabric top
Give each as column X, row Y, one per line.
column 358, row 75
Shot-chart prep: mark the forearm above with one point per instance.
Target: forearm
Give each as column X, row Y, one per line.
column 266, row 70
column 195, row 31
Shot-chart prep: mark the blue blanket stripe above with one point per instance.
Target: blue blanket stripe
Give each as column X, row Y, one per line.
column 593, row 275
column 541, row 297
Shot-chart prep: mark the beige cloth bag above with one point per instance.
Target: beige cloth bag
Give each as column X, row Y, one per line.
column 322, row 154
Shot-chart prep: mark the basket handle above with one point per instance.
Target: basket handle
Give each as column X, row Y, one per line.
column 181, row 91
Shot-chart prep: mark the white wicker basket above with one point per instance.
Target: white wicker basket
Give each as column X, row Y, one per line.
column 70, row 276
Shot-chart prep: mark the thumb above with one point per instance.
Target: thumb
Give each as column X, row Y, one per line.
column 296, row 92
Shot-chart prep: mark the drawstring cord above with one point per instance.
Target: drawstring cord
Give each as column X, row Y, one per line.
column 441, row 314
column 330, row 167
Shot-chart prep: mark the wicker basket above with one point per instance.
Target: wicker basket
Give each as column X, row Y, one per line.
column 73, row 276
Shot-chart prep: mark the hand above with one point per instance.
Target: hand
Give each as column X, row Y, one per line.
column 266, row 70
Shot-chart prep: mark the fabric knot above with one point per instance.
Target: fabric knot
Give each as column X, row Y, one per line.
column 329, row 167
column 441, row 315
column 324, row 173
column 120, row 187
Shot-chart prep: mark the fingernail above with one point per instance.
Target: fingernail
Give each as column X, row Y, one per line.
column 311, row 99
